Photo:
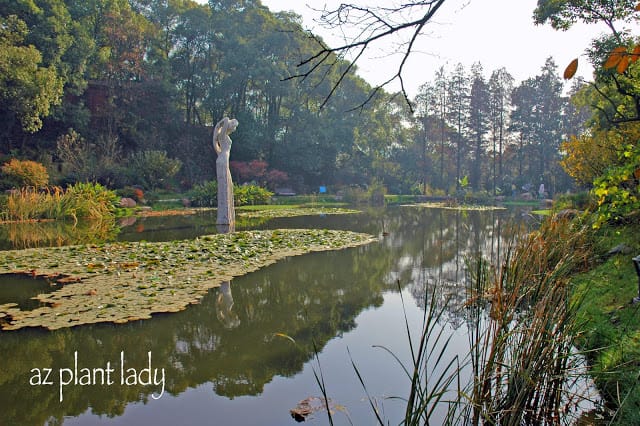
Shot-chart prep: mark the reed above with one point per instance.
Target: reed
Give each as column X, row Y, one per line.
column 431, row 380
column 80, row 201
column 521, row 325
column 431, row 372
column 521, row 349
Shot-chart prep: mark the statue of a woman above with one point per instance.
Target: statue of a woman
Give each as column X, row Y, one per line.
column 222, row 146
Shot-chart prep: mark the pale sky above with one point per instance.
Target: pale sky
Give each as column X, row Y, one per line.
column 496, row 33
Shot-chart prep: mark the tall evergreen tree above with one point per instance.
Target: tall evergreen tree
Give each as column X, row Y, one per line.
column 458, row 94
column 478, row 123
column 500, row 89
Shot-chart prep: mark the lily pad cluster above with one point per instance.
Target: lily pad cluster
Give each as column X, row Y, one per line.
column 461, row 207
column 123, row 282
column 293, row 212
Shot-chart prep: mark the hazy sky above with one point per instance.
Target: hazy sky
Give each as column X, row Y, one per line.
column 496, row 33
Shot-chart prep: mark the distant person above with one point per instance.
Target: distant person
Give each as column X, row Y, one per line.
column 541, row 192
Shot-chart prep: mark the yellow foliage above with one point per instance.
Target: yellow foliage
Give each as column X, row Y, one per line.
column 588, row 156
column 623, row 64
column 24, row 173
column 635, row 54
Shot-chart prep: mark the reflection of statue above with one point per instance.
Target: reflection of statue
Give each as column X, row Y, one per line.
column 224, row 306
column 222, row 146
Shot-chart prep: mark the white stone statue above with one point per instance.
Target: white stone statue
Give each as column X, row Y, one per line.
column 222, row 146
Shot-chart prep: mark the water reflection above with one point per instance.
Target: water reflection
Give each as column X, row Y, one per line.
column 231, row 340
column 224, row 306
column 442, row 250
column 55, row 233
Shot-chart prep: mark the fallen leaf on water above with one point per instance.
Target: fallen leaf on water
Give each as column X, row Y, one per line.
column 306, row 407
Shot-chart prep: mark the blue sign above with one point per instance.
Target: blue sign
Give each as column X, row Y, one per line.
column 323, row 190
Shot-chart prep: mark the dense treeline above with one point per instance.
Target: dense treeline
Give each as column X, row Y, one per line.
column 492, row 135
column 125, row 92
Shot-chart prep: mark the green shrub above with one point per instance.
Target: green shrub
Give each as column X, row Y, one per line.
column 204, row 195
column 355, row 195
column 90, row 161
column 251, row 195
column 579, row 201
column 152, row 169
column 22, row 173
column 618, row 190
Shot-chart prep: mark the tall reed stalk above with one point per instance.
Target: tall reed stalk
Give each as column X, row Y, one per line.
column 521, row 346
column 431, row 372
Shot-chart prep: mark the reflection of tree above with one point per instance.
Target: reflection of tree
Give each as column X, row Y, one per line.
column 448, row 241
column 182, row 227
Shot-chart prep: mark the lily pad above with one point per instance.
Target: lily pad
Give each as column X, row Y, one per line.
column 128, row 281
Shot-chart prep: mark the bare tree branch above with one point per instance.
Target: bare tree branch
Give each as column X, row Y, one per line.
column 372, row 24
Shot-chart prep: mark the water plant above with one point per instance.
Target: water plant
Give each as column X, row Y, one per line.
column 123, row 282
column 79, row 201
column 523, row 322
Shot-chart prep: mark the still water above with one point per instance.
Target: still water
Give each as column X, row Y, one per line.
column 245, row 355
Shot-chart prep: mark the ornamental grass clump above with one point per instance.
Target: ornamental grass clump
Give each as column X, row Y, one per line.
column 80, row 201
column 90, row 201
column 31, row 204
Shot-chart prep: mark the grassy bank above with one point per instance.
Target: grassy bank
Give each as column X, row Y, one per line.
column 611, row 324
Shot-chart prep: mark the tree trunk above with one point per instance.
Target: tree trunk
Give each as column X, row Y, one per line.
column 222, row 145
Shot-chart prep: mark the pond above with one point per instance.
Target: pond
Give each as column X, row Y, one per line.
column 251, row 350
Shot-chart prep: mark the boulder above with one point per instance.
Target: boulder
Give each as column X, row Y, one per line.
column 546, row 203
column 619, row 249
column 127, row 202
